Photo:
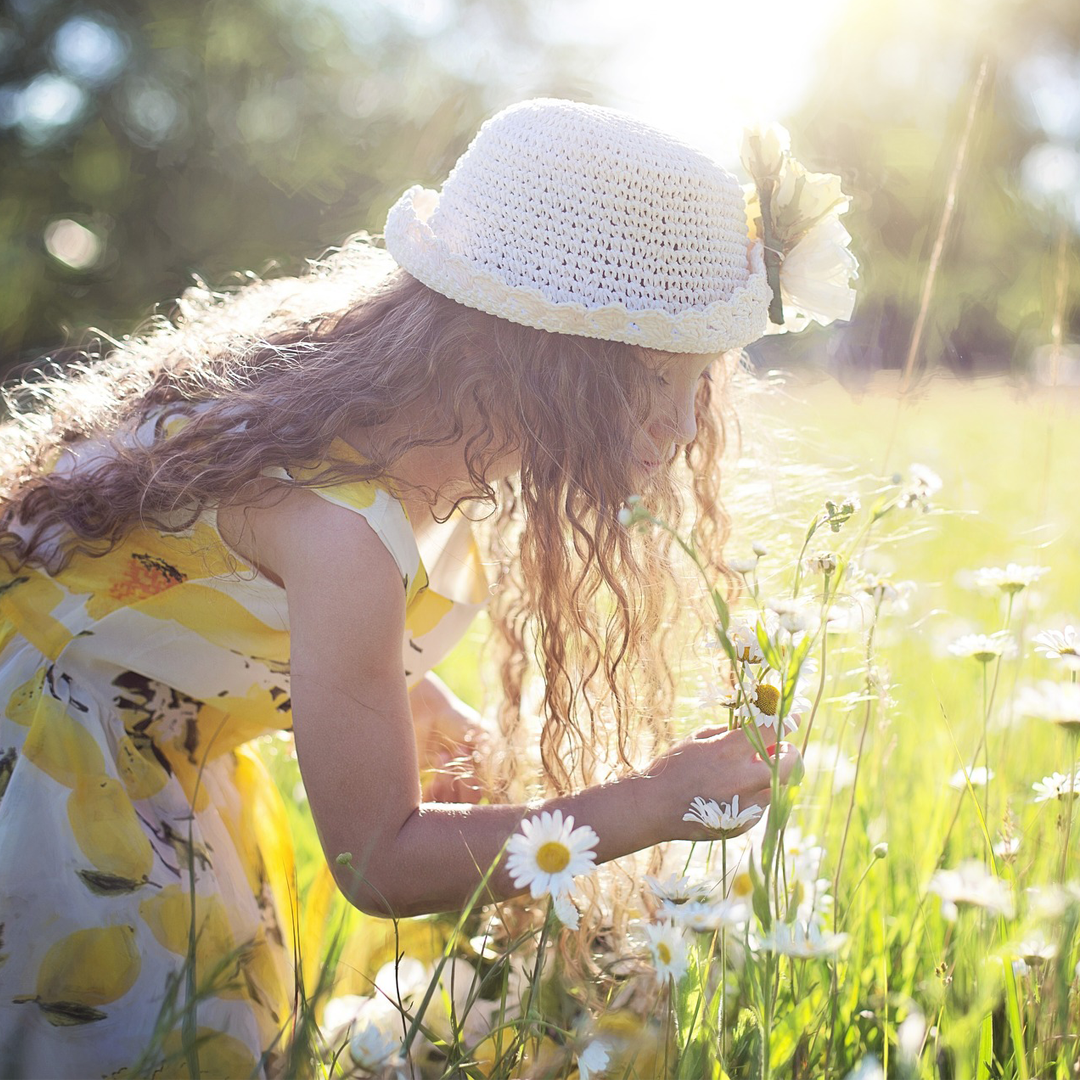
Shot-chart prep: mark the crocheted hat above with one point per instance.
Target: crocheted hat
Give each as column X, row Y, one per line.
column 582, row 220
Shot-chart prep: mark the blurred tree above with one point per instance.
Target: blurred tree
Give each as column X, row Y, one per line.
column 144, row 141
column 889, row 107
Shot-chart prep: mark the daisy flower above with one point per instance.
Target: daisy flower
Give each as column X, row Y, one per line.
column 667, row 945
column 743, row 565
column 675, row 889
column 979, row 776
column 1057, row 702
column 743, row 636
column 922, row 483
column 593, row 1060
column 700, row 915
column 762, row 704
column 1056, row 786
column 984, row 647
column 548, row 853
column 565, row 911
column 824, row 562
column 1060, row 645
column 722, row 817
column 971, row 885
column 1010, row 580
column 371, row 1049
column 802, row 940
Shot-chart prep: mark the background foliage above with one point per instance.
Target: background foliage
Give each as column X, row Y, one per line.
column 143, row 143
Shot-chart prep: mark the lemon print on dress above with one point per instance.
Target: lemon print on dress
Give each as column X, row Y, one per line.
column 168, row 914
column 107, row 830
column 86, row 969
column 60, row 746
column 220, row 1055
column 23, row 702
column 142, row 776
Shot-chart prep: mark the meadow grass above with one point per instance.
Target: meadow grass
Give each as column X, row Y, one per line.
column 914, row 990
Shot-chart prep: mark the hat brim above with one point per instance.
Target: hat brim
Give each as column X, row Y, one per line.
column 723, row 325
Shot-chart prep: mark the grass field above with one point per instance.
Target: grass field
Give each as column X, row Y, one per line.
column 911, row 987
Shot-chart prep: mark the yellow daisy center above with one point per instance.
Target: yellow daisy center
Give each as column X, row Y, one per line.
column 742, row 885
column 553, row 857
column 663, row 952
column 767, row 699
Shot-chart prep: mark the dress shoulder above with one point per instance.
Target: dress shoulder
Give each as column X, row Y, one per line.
column 379, row 507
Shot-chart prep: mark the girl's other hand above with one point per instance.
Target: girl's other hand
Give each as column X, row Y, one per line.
column 450, row 741
column 716, row 764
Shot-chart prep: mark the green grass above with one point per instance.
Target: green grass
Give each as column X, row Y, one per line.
column 1009, row 495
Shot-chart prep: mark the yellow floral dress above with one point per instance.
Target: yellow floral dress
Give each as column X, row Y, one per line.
column 129, row 686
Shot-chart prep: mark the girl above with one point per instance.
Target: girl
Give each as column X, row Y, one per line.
column 251, row 520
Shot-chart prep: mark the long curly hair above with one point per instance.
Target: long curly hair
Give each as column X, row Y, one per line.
column 269, row 373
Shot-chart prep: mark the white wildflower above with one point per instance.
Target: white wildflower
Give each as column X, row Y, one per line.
column 1056, row 786
column 565, row 911
column 593, row 1060
column 922, row 483
column 984, row 647
column 1059, row 703
column 824, row 562
column 1061, row 645
column 763, row 149
column 805, row 940
column 743, row 565
column 971, row 885
column 667, row 946
column 371, row 1049
column 764, row 702
column 978, row 776
column 549, row 853
column 722, row 817
column 701, row 915
column 1011, row 580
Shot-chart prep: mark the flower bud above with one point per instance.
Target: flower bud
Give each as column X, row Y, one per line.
column 763, row 149
column 344, row 858
column 879, row 851
column 759, row 549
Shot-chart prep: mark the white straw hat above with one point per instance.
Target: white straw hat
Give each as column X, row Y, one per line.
column 582, row 220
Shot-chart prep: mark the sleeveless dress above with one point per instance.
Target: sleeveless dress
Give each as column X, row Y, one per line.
column 145, row 856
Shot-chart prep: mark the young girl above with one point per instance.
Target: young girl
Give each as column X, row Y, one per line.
column 252, row 519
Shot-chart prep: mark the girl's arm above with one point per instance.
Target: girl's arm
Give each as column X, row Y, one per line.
column 356, row 745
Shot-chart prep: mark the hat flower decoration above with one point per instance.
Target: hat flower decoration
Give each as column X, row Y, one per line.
column 796, row 215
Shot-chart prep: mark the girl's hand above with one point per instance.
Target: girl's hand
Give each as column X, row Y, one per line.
column 450, row 741
column 449, row 749
column 716, row 764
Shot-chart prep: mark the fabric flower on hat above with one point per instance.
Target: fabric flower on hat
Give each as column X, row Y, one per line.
column 807, row 255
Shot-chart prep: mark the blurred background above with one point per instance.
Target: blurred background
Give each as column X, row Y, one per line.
column 146, row 143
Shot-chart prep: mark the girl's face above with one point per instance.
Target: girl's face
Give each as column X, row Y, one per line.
column 672, row 423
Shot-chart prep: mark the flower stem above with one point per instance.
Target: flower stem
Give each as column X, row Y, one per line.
column 1069, row 810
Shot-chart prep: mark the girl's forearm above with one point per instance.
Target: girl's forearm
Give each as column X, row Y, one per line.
column 442, row 850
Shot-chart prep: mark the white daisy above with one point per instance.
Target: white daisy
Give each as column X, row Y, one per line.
column 676, row 889
column 922, row 483
column 743, row 565
column 667, row 945
column 1007, row 848
column 984, row 647
column 1035, row 949
column 1061, row 645
column 1056, row 786
column 805, row 940
column 565, row 911
column 548, row 853
column 593, row 1060
column 824, row 562
column 971, row 885
column 743, row 636
column 979, row 776
column 1057, row 702
column 722, row 817
column 371, row 1049
column 700, row 916
column 1011, row 580
column 762, row 703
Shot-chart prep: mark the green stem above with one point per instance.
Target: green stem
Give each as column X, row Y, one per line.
column 1069, row 810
